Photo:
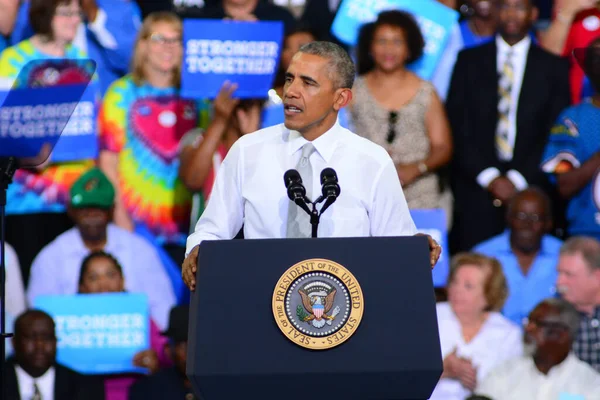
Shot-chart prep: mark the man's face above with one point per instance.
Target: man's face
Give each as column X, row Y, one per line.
column 309, row 93
column 577, row 282
column 515, row 18
column 91, row 222
column 546, row 335
column 35, row 346
column 528, row 221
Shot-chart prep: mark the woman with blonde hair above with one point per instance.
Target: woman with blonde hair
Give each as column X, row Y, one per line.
column 474, row 336
column 141, row 124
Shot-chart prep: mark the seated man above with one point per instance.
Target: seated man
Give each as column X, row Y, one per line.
column 34, row 373
column 55, row 270
column 549, row 371
column 170, row 383
column 527, row 253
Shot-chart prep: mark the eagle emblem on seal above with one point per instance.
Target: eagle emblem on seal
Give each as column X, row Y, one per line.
column 317, row 301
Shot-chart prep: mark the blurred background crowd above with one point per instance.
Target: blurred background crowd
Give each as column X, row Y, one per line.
column 505, row 138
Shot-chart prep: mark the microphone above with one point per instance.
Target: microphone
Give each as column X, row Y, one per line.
column 293, row 183
column 295, row 189
column 329, row 182
column 329, row 187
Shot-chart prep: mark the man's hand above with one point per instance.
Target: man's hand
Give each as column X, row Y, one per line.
column 502, row 189
column 435, row 250
column 147, row 359
column 188, row 269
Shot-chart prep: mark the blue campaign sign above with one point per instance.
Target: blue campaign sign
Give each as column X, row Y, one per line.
column 99, row 333
column 246, row 53
column 433, row 222
column 435, row 20
column 51, row 103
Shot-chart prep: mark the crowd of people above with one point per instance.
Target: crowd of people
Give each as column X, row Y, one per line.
column 503, row 137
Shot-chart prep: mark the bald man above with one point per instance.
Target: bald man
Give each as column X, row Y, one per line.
column 527, row 252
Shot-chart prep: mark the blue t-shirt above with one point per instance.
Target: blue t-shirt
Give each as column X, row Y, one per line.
column 573, row 140
column 524, row 291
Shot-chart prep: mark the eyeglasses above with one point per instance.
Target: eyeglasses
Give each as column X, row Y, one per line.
column 550, row 329
column 392, row 119
column 522, row 217
column 161, row 39
column 65, row 12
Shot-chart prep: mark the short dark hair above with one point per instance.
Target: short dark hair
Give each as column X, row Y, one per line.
column 94, row 255
column 21, row 319
column 41, row 13
column 339, row 61
column 535, row 191
column 398, row 19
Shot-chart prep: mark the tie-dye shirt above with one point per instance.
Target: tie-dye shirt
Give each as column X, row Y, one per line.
column 47, row 190
column 144, row 125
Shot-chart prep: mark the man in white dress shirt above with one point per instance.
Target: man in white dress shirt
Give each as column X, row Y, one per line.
column 550, row 371
column 55, row 270
column 249, row 189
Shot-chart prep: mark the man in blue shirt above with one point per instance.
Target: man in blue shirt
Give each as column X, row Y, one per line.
column 527, row 253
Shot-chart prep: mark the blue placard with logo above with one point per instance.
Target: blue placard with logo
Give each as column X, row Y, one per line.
column 246, row 53
column 435, row 20
column 433, row 222
column 52, row 103
column 99, row 333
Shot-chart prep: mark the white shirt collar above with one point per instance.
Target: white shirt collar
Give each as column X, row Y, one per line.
column 557, row 370
column 45, row 383
column 324, row 144
column 519, row 49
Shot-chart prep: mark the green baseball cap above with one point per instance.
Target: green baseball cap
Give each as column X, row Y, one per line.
column 92, row 189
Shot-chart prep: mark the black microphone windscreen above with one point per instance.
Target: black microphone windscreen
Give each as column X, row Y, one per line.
column 291, row 176
column 328, row 174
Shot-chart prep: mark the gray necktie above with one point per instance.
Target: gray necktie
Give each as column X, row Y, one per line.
column 36, row 393
column 298, row 225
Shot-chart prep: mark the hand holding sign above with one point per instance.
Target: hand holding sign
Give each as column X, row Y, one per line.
column 225, row 103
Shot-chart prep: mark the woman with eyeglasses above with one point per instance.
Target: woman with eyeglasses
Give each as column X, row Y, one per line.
column 474, row 336
column 38, row 196
column 396, row 109
column 102, row 273
column 141, row 124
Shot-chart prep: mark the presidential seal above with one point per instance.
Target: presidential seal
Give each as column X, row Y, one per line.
column 318, row 304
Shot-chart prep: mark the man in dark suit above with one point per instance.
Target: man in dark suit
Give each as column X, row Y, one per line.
column 504, row 98
column 34, row 374
column 169, row 383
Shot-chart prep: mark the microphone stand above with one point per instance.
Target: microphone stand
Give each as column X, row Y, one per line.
column 315, row 215
column 7, row 170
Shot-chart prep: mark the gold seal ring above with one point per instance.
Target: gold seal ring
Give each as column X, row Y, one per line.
column 318, row 304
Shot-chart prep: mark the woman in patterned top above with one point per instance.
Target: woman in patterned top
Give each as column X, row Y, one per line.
column 394, row 108
column 141, row 124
